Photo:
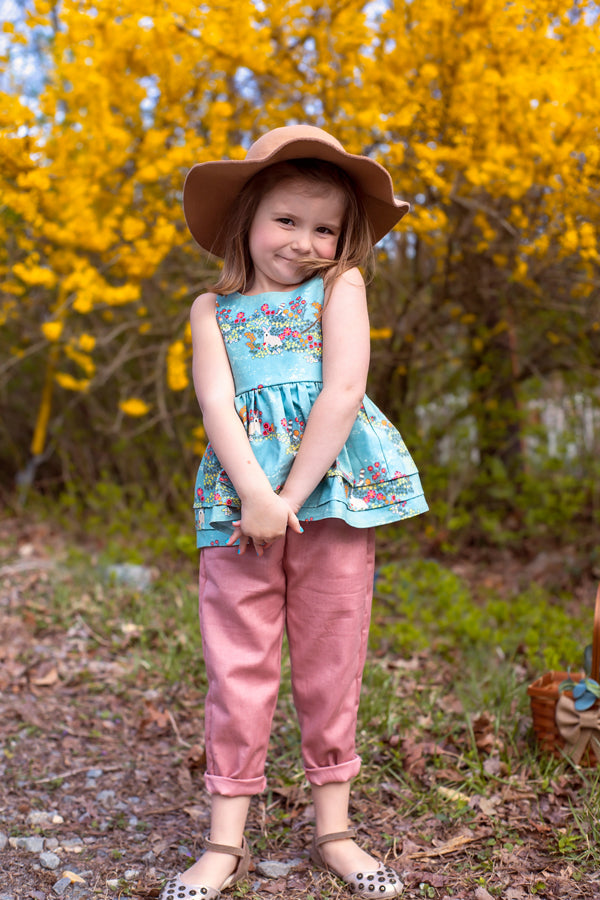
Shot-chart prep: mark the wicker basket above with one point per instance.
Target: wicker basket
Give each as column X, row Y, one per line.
column 544, row 696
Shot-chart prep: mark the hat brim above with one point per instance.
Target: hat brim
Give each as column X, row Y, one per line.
column 211, row 188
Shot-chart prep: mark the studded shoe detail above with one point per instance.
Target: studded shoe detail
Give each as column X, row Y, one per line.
column 175, row 889
column 380, row 882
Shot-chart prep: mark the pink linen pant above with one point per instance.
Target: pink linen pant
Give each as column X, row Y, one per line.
column 318, row 586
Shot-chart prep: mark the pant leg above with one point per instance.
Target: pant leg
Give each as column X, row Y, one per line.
column 242, row 620
column 329, row 592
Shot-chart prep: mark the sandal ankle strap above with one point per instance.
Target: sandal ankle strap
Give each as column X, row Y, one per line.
column 224, row 848
column 335, row 836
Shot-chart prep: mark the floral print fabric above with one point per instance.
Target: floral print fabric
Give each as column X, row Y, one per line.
column 274, row 345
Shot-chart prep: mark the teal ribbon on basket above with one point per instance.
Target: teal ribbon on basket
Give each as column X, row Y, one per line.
column 578, row 727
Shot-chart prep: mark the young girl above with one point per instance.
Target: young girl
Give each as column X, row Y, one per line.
column 301, row 465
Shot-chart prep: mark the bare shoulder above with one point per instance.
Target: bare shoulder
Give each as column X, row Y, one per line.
column 204, row 303
column 202, row 312
column 210, row 361
column 352, row 277
column 347, row 287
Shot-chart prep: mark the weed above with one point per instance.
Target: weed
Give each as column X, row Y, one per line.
column 119, row 821
column 426, row 890
column 157, row 629
column 420, row 603
column 580, row 840
column 127, row 516
column 443, row 655
column 55, row 784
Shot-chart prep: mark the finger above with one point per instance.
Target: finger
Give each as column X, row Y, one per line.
column 236, row 533
column 261, row 546
column 294, row 523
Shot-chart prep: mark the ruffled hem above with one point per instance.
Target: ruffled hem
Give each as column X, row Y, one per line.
column 404, row 500
column 374, row 479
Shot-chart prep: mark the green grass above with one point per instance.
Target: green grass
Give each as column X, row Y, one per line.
column 420, row 605
column 155, row 630
column 444, row 686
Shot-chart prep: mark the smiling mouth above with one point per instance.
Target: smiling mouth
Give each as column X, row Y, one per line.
column 290, row 262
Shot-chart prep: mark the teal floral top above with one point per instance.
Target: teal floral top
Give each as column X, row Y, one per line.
column 274, row 345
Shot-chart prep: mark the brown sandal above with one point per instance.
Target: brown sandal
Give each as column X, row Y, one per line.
column 380, row 882
column 175, row 889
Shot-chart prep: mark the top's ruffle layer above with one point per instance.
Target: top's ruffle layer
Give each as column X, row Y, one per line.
column 373, row 481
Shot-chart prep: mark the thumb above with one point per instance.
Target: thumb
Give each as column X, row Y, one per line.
column 294, row 523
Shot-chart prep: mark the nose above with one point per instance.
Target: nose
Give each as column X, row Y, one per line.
column 301, row 241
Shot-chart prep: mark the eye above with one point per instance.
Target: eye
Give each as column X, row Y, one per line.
column 324, row 229
column 285, row 220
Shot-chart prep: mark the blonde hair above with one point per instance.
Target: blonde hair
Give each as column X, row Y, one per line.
column 355, row 243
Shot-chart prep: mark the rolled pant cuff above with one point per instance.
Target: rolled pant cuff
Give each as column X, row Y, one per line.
column 234, row 787
column 327, row 774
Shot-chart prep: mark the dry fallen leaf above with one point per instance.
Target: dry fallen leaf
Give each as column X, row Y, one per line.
column 195, row 812
column 43, row 674
column 195, row 758
column 482, row 894
column 451, row 846
column 157, row 717
column 487, row 805
column 73, row 877
column 452, row 794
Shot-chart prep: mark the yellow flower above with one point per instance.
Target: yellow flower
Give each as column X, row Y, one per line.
column 200, row 440
column 83, row 303
column 87, row 342
column 84, row 361
column 132, row 228
column 134, row 406
column 570, row 241
column 177, row 377
column 71, row 384
column 52, row 330
column 35, row 275
column 378, row 334
column 118, row 296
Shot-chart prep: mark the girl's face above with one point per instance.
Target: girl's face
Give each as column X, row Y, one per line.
column 294, row 220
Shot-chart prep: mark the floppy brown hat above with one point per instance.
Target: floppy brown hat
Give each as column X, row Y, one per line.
column 211, row 188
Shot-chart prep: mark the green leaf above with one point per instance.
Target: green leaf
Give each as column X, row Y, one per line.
column 587, row 661
column 592, row 686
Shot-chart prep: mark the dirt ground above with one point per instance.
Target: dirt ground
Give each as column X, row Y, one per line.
column 105, row 765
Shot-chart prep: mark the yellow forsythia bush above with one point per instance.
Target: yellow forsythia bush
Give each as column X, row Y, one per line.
column 485, row 113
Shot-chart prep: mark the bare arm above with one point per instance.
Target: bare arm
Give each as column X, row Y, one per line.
column 346, row 351
column 265, row 516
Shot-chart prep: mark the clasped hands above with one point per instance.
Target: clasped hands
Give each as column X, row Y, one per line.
column 264, row 519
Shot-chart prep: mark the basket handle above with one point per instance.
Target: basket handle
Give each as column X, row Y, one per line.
column 596, row 639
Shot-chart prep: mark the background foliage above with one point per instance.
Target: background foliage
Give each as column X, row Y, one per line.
column 486, row 306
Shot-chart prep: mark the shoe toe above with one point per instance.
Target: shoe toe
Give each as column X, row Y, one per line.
column 383, row 882
column 175, row 889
